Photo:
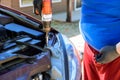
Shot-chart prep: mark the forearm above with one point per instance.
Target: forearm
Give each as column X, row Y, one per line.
column 118, row 48
column 108, row 54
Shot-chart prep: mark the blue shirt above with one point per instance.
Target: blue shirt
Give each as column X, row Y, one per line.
column 100, row 22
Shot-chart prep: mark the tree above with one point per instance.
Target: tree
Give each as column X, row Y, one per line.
column 69, row 11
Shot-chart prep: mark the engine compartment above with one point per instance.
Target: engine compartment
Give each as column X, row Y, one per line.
column 21, row 47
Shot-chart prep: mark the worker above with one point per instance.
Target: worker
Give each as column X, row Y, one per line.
column 100, row 28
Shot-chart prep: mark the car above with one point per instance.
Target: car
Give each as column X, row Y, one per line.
column 24, row 54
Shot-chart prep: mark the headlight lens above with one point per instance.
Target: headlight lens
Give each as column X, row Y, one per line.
column 73, row 59
column 65, row 61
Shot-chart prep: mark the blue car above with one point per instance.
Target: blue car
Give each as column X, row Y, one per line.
column 23, row 51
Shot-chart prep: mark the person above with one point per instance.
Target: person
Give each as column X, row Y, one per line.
column 100, row 28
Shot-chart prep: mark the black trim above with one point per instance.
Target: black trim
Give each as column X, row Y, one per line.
column 65, row 56
column 21, row 18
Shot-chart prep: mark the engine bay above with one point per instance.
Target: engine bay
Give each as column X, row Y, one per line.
column 21, row 47
column 26, row 53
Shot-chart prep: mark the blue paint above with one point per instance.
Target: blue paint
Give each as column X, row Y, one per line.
column 19, row 28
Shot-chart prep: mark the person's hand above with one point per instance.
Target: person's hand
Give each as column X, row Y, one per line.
column 108, row 54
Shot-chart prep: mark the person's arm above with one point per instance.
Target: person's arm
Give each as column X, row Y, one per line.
column 118, row 48
column 108, row 54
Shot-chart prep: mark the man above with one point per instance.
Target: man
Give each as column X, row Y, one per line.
column 100, row 27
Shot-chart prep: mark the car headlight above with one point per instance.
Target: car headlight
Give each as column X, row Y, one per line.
column 65, row 60
column 73, row 59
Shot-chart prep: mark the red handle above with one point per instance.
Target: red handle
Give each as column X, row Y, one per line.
column 47, row 7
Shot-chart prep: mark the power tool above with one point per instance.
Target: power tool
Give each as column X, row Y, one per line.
column 44, row 9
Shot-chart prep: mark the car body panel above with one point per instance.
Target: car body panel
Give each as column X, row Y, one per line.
column 25, row 56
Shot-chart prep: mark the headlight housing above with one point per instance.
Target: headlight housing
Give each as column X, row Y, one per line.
column 65, row 60
column 73, row 59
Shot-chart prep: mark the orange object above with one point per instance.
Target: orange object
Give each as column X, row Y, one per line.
column 47, row 7
column 37, row 12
